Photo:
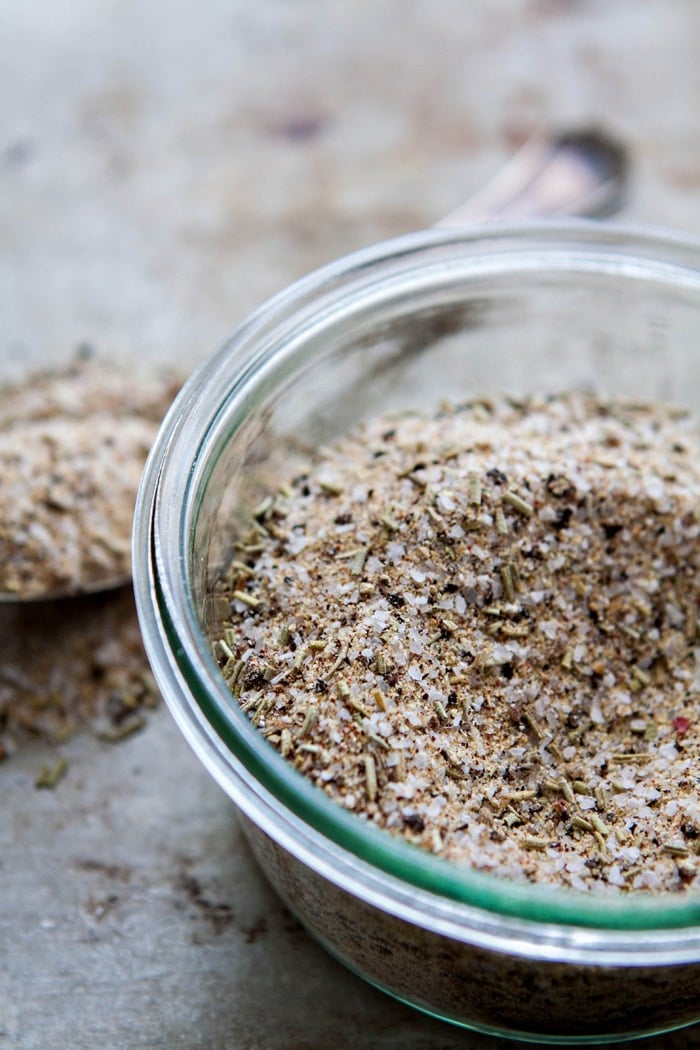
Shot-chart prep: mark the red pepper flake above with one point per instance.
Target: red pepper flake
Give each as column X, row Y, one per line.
column 681, row 724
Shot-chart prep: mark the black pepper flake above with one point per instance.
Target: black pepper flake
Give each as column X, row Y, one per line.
column 397, row 600
column 563, row 518
column 414, row 821
column 611, row 529
column 252, row 676
column 497, row 476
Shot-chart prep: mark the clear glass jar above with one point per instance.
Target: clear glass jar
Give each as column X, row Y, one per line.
column 408, row 323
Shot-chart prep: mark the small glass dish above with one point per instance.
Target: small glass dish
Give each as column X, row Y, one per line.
column 409, row 323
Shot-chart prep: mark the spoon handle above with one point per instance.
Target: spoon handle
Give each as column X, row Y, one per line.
column 583, row 173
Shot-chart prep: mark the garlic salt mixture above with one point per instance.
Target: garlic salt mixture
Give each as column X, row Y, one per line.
column 479, row 631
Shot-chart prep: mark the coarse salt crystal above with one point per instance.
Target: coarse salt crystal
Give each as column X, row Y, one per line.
column 436, row 694
column 433, row 810
column 418, row 601
column 415, row 642
column 615, row 876
column 549, row 628
column 674, row 615
column 595, row 713
column 649, row 794
column 654, row 488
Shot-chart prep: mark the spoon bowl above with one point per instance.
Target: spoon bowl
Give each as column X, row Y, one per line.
column 72, row 447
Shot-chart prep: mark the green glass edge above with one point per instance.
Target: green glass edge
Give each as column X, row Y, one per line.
column 408, row 863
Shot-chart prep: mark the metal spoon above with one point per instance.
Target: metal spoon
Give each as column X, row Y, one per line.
column 578, row 173
column 582, row 173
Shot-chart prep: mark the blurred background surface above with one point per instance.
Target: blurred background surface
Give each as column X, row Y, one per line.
column 163, row 168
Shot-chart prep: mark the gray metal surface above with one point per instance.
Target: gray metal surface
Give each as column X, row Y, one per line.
column 163, row 168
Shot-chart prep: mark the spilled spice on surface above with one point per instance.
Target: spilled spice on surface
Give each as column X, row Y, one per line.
column 70, row 666
column 479, row 631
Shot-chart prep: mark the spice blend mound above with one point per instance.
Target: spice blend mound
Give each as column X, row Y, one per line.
column 72, row 447
column 479, row 632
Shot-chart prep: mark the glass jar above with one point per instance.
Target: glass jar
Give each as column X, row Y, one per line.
column 406, row 324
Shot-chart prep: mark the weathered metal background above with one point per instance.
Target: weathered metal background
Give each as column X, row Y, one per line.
column 163, row 168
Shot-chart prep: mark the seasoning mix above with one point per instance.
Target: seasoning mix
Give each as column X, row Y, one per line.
column 72, row 446
column 479, row 632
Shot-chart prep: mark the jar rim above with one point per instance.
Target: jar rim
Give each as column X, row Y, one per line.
column 169, row 500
